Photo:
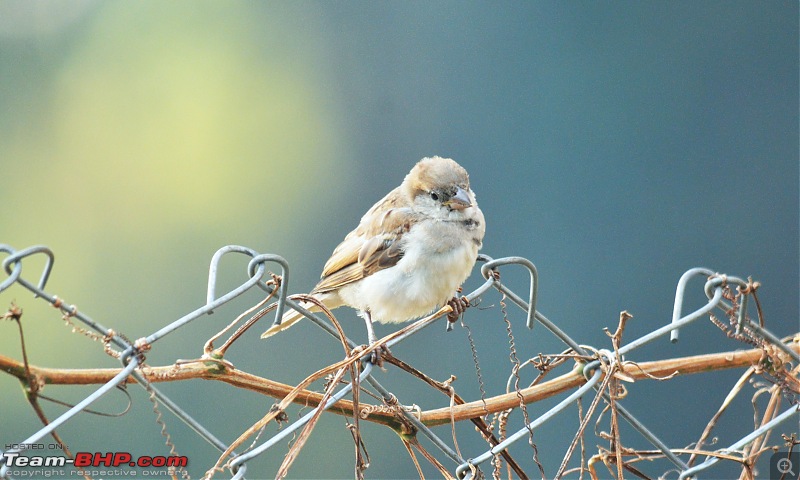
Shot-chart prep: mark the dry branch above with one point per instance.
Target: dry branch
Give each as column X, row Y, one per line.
column 640, row 371
column 213, row 370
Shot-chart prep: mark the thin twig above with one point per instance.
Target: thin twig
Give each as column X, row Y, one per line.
column 478, row 421
column 725, row 403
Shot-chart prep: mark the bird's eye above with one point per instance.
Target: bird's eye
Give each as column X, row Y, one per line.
column 434, row 196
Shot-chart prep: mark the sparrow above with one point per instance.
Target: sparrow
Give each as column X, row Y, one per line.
column 409, row 254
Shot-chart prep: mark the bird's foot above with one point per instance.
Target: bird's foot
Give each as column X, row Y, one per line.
column 376, row 357
column 459, row 305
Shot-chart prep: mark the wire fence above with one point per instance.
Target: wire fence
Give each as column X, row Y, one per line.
column 598, row 376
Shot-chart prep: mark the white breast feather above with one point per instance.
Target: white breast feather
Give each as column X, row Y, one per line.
column 434, row 264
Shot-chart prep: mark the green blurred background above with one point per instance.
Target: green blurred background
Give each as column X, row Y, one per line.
column 615, row 145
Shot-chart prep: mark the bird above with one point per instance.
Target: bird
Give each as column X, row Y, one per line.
column 410, row 252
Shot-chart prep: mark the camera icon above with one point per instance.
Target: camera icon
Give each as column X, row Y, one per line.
column 784, row 466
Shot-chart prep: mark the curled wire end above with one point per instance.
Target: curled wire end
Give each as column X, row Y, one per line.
column 489, row 271
column 239, row 470
column 602, row 359
column 70, row 312
column 59, row 304
column 750, row 287
column 681, row 290
column 466, row 471
column 589, row 368
column 142, row 345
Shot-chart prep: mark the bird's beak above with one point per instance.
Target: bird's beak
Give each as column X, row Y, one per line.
column 460, row 200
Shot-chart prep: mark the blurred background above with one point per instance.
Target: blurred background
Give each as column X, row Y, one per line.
column 615, row 145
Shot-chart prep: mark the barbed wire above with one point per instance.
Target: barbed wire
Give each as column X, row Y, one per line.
column 597, row 369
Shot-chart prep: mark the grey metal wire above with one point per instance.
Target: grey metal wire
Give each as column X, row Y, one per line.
column 182, row 414
column 464, row 470
column 285, row 432
column 421, row 427
column 793, row 411
column 255, row 278
column 16, row 258
column 132, row 354
column 679, row 293
column 94, row 396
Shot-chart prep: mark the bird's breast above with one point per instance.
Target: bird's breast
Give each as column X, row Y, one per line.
column 436, row 261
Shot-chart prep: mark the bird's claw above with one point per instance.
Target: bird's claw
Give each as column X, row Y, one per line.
column 377, row 355
column 459, row 306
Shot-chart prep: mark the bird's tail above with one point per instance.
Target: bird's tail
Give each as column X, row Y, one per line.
column 291, row 316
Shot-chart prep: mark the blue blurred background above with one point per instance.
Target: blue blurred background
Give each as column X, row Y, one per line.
column 616, row 145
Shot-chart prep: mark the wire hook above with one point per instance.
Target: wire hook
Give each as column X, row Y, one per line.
column 15, row 257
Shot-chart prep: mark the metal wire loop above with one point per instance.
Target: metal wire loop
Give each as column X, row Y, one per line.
column 491, row 266
column 16, row 258
column 13, row 276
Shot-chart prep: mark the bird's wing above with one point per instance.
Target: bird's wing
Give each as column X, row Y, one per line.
column 374, row 245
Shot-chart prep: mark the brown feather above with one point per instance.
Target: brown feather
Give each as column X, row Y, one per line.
column 373, row 246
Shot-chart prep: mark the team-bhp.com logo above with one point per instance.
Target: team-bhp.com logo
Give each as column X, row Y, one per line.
column 84, row 460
